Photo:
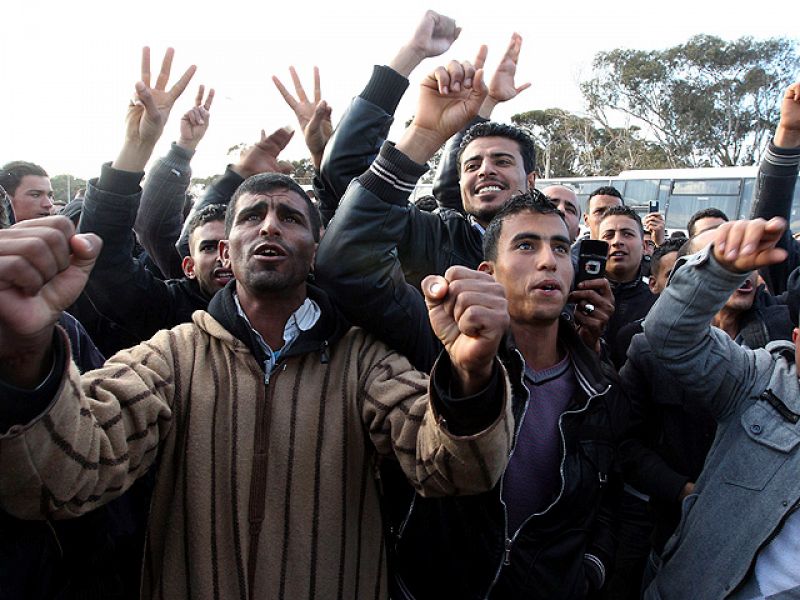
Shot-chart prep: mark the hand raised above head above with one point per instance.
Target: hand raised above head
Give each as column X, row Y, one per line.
column 262, row 157
column 148, row 111
column 788, row 133
column 502, row 86
column 742, row 246
column 449, row 98
column 314, row 116
column 194, row 122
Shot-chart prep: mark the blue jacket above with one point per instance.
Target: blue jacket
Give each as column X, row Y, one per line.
column 749, row 484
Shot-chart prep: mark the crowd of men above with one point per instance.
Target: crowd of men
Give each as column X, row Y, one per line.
column 265, row 395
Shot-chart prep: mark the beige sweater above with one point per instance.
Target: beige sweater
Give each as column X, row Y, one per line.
column 190, row 398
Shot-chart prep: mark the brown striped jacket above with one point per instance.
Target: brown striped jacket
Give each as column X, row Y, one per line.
column 277, row 475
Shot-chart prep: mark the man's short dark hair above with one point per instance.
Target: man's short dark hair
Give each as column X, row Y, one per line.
column 11, row 174
column 532, row 201
column 606, row 190
column 208, row 214
column 266, row 182
column 624, row 211
column 706, row 213
column 671, row 245
column 491, row 129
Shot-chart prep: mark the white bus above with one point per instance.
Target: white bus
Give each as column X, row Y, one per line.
column 681, row 192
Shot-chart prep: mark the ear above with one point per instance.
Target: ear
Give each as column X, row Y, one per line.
column 651, row 283
column 486, row 267
column 795, row 333
column 224, row 253
column 531, row 179
column 188, row 267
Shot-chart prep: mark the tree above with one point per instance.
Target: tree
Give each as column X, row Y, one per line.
column 65, row 186
column 572, row 145
column 708, row 102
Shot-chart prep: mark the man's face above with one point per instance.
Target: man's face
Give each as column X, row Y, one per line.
column 534, row 266
column 625, row 247
column 271, row 246
column 491, row 172
column 742, row 298
column 658, row 281
column 649, row 244
column 598, row 205
column 33, row 198
column 705, row 224
column 204, row 262
column 568, row 204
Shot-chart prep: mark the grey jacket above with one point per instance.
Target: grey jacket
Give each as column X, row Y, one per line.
column 749, row 484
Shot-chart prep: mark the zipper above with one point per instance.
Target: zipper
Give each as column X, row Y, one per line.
column 509, row 541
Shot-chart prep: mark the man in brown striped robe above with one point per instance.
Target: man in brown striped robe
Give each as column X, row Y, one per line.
column 265, row 415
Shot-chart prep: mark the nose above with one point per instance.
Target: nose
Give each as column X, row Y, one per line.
column 547, row 259
column 271, row 225
column 486, row 169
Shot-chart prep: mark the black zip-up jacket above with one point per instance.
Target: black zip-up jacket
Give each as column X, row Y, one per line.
column 455, row 549
column 120, row 288
column 777, row 177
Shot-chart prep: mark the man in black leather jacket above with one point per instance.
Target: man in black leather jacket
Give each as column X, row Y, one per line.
column 560, row 540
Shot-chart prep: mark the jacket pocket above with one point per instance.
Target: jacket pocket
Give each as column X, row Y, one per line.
column 752, row 466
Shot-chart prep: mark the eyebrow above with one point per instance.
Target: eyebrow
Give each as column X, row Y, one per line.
column 281, row 208
column 493, row 155
column 530, row 235
column 623, row 229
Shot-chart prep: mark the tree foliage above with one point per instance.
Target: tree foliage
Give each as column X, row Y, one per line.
column 65, row 186
column 708, row 102
column 573, row 145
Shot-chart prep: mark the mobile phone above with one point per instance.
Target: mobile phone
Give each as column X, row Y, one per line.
column 592, row 256
column 653, row 206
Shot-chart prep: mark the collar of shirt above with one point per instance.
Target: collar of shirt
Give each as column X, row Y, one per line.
column 303, row 319
column 474, row 222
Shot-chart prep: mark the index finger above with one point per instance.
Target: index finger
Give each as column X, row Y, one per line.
column 298, row 87
column 514, row 47
column 457, row 272
column 198, row 99
column 146, row 65
column 290, row 100
column 181, row 84
column 480, row 58
column 209, row 99
column 317, row 88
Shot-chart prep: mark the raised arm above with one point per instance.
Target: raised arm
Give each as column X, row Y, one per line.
column 777, row 177
column 358, row 258
column 365, row 125
column 120, row 287
column 160, row 217
column 678, row 327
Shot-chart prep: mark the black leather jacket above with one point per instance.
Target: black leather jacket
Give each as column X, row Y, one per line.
column 456, row 548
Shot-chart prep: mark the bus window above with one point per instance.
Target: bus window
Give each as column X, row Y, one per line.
column 681, row 208
column 748, row 189
column 640, row 192
column 689, row 196
column 706, row 187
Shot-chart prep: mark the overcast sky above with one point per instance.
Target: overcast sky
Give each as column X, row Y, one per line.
column 68, row 68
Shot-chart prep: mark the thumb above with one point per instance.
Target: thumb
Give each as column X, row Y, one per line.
column 146, row 98
column 479, row 91
column 85, row 250
column 434, row 288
